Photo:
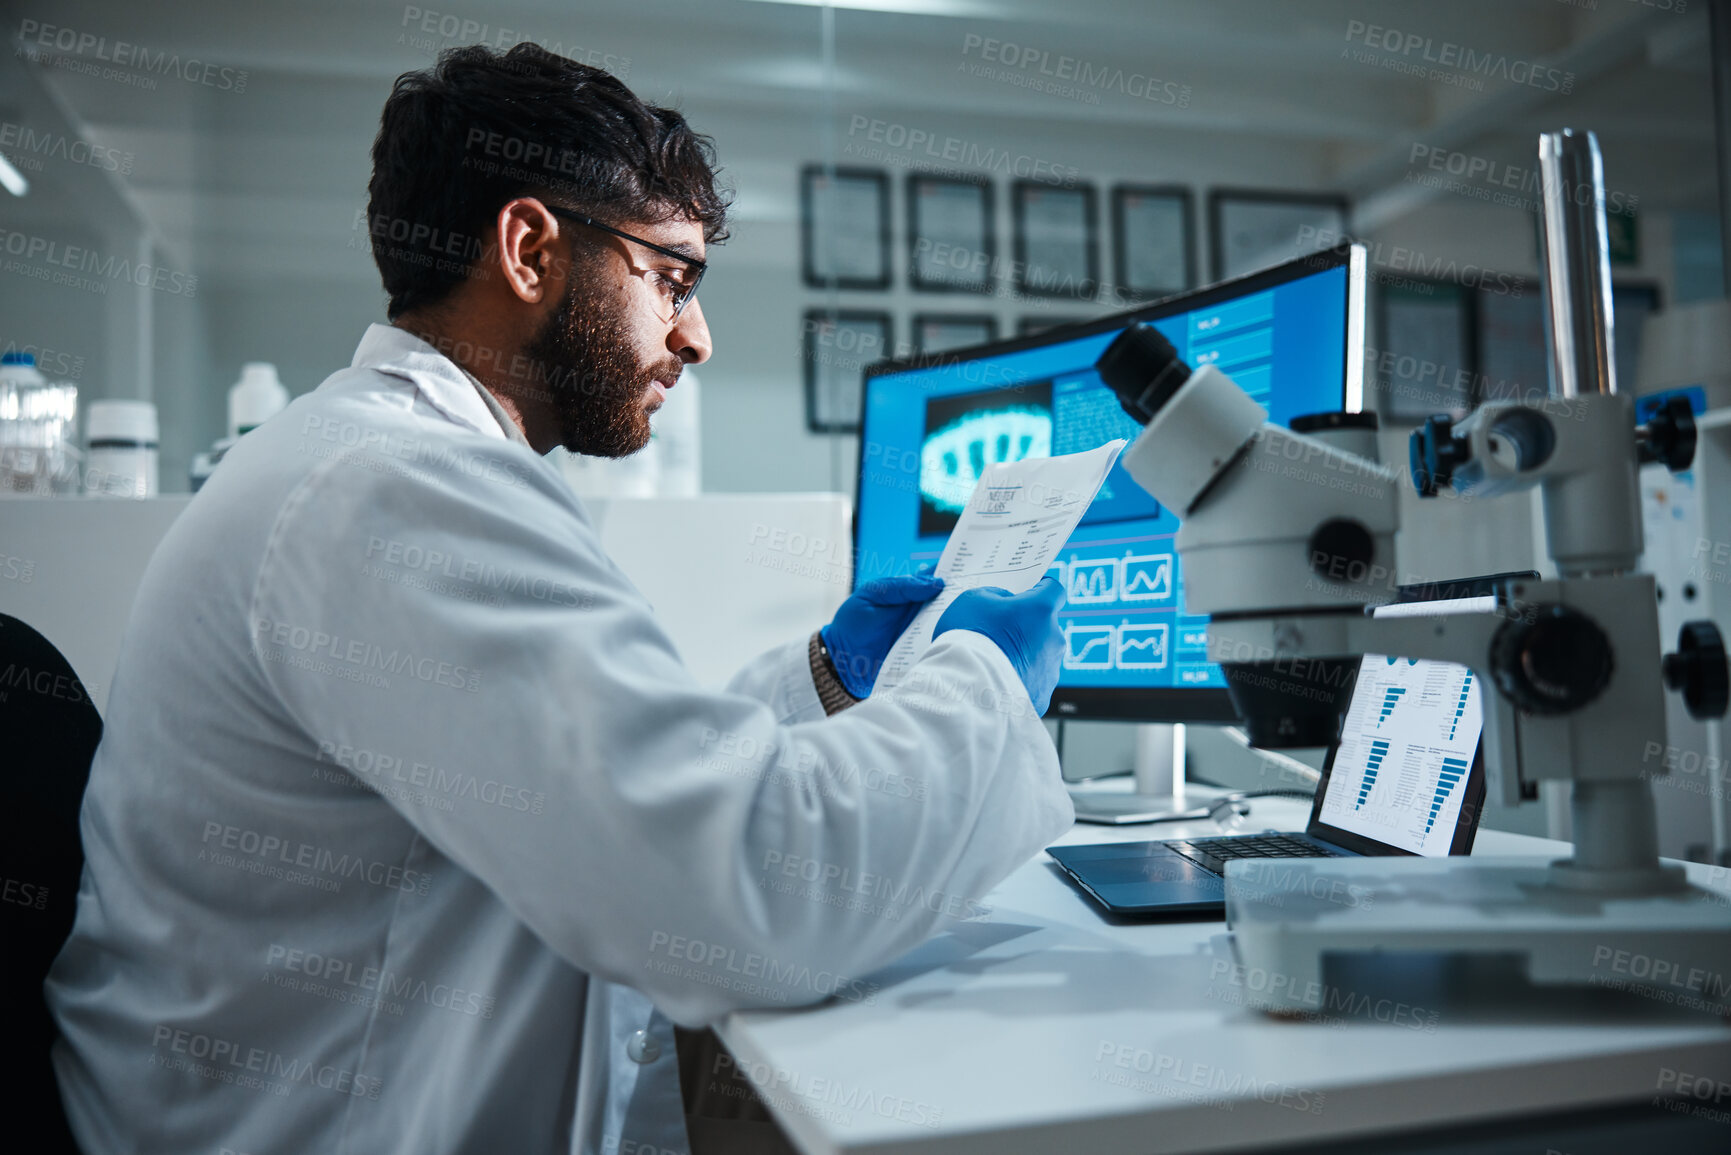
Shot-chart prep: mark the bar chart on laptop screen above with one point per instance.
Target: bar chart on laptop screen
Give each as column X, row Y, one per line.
column 1406, row 749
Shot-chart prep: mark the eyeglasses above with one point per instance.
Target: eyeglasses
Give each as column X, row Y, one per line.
column 680, row 294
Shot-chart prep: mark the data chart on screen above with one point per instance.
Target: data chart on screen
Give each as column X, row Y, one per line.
column 1406, row 752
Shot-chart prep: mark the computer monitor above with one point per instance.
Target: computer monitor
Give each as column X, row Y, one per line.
column 1292, row 336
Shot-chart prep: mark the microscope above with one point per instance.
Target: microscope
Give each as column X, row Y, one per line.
column 1287, row 540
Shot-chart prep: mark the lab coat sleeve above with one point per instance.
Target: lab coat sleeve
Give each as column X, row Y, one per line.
column 690, row 843
column 781, row 679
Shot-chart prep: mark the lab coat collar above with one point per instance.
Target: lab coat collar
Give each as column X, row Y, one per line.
column 450, row 390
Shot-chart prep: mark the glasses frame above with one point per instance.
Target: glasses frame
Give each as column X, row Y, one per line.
column 680, row 300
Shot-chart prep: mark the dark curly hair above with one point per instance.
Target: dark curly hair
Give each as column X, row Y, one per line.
column 458, row 140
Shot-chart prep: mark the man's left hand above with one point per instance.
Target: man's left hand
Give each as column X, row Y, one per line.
column 869, row 622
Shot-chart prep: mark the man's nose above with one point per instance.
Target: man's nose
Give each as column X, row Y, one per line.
column 689, row 340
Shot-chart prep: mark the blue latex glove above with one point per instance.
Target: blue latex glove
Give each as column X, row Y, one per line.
column 869, row 622
column 1025, row 626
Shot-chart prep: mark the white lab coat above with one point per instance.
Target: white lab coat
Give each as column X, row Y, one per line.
column 398, row 764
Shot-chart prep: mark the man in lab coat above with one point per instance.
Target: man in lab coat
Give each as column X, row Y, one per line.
column 406, row 809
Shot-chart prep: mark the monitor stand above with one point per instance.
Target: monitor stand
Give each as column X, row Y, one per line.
column 1158, row 795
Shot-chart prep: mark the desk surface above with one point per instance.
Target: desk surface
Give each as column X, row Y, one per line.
column 1047, row 1027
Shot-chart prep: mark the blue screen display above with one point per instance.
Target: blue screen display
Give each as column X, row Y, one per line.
column 929, row 432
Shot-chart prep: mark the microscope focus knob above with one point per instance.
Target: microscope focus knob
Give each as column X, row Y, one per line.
column 1698, row 670
column 1669, row 436
column 1435, row 452
column 1342, row 549
column 1552, row 663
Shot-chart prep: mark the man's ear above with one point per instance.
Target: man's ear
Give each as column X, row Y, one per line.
column 530, row 255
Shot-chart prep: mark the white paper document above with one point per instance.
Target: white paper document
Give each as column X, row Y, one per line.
column 1017, row 519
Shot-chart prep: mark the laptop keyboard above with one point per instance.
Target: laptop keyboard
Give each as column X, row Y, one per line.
column 1214, row 853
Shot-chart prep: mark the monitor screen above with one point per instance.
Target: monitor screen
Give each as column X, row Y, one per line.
column 1292, row 337
column 1408, row 746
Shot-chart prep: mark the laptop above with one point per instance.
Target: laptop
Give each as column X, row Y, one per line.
column 1406, row 776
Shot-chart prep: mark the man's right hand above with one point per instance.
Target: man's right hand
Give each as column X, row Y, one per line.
column 1024, row 626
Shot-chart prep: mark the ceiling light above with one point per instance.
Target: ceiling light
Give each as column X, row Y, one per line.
column 12, row 179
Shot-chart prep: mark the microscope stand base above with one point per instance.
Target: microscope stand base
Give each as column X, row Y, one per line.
column 1288, row 916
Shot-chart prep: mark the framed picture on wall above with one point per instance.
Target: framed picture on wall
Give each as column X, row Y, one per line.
column 1250, row 230
column 836, row 347
column 1429, row 349
column 844, row 228
column 941, row 332
column 951, row 241
column 1512, row 362
column 1056, row 240
column 1153, row 240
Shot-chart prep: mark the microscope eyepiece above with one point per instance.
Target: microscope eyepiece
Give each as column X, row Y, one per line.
column 1143, row 369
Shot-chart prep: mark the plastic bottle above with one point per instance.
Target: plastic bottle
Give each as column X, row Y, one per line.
column 254, row 399
column 122, row 439
column 37, row 419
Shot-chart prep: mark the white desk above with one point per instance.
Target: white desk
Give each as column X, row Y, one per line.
column 1005, row 1035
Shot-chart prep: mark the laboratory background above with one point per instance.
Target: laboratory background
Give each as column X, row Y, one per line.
column 934, row 200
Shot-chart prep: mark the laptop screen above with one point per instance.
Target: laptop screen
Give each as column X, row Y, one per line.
column 1408, row 757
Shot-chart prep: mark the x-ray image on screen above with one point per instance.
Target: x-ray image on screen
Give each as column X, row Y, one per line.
column 966, row 433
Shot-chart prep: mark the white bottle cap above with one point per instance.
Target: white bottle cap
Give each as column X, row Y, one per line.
column 121, row 424
column 255, row 398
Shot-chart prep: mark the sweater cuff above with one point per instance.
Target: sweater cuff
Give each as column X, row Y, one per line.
column 831, row 694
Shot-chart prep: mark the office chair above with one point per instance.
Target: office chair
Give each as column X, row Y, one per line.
column 48, row 729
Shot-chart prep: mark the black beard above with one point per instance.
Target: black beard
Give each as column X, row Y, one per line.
column 594, row 380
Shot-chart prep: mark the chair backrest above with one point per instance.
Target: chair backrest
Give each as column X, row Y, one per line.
column 49, row 729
